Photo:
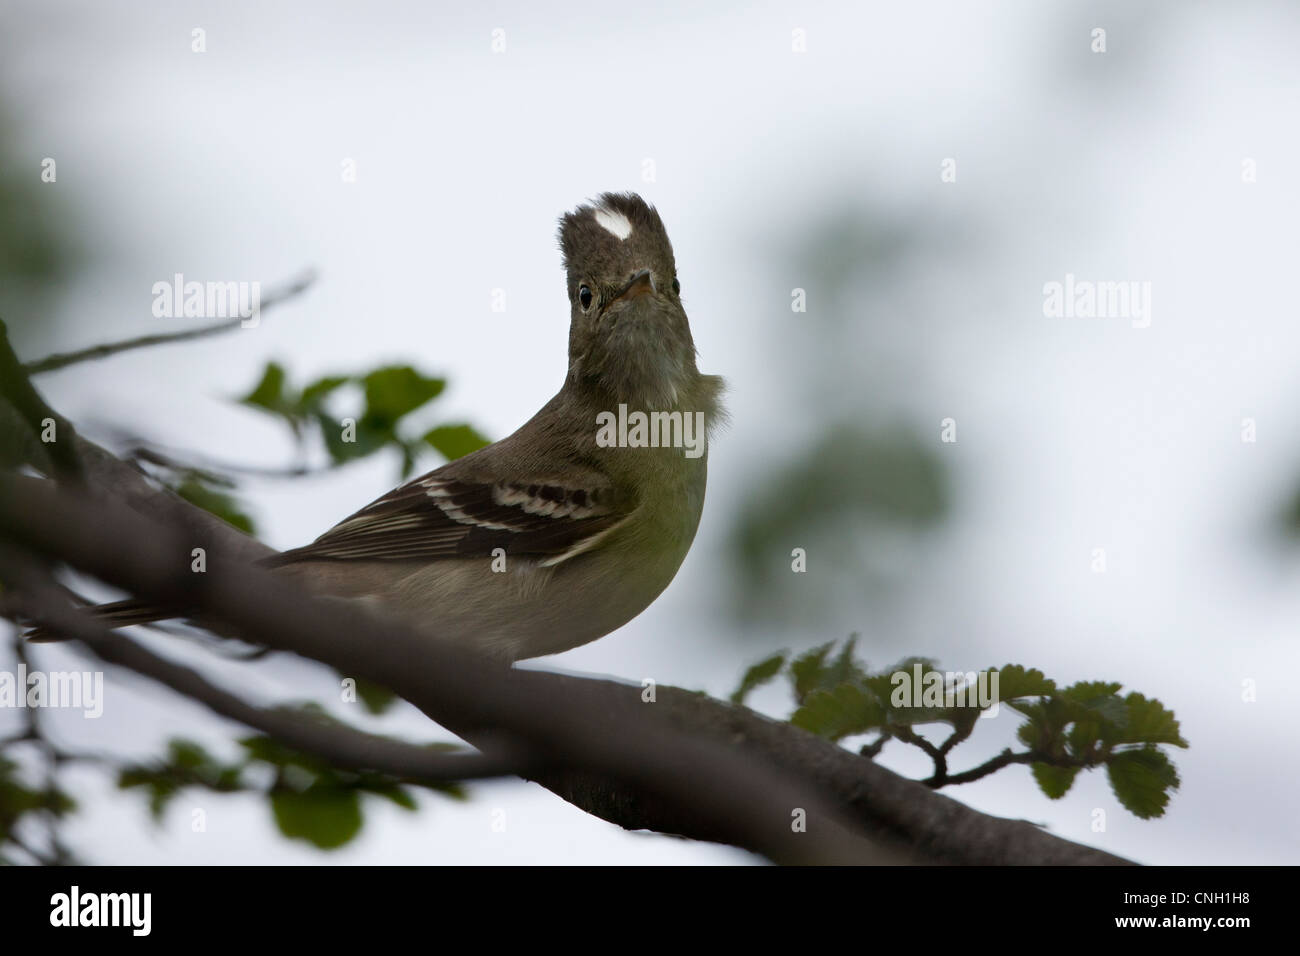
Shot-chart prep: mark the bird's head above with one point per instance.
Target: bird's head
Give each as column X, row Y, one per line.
column 629, row 335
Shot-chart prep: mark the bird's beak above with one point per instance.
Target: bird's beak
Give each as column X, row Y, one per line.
column 643, row 283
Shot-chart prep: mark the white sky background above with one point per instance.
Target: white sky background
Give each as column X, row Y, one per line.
column 1073, row 434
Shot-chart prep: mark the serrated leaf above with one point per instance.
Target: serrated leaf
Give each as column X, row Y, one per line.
column 843, row 712
column 1149, row 722
column 806, row 670
column 1142, row 781
column 1034, row 732
column 757, row 675
column 815, row 670
column 845, row 668
column 1055, row 782
column 327, row 817
column 1084, row 739
column 455, row 441
column 1017, row 681
column 1089, row 690
column 906, row 702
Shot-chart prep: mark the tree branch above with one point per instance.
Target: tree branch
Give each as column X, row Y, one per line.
column 333, row 741
column 594, row 731
column 26, row 403
column 1005, row 759
column 686, row 764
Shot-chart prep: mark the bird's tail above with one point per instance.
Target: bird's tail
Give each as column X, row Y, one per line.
column 114, row 615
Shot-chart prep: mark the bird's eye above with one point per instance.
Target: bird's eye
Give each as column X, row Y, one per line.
column 584, row 297
column 677, row 286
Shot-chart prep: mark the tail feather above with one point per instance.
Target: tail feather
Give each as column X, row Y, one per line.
column 114, row 615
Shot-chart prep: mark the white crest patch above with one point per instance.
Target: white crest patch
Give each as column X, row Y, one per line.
column 613, row 222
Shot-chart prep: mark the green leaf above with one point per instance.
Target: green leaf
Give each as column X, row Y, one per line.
column 1149, row 723
column 269, row 750
column 757, row 675
column 455, row 441
column 17, row 799
column 226, row 507
column 374, row 697
column 397, row 390
column 268, row 393
column 806, row 670
column 325, row 816
column 907, row 701
column 843, row 712
column 1086, row 691
column 1142, row 780
column 316, row 392
column 410, row 452
column 366, row 438
column 811, row 671
column 159, row 785
column 1035, row 733
column 398, row 795
column 187, row 755
column 1017, row 681
column 1055, row 782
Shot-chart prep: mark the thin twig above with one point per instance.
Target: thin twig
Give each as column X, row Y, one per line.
column 64, row 359
column 214, row 471
column 1004, row 759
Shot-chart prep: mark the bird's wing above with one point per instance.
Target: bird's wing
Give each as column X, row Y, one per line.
column 437, row 517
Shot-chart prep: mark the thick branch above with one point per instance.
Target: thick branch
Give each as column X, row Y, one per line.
column 596, row 730
column 622, row 763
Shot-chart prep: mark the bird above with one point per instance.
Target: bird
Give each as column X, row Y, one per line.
column 565, row 530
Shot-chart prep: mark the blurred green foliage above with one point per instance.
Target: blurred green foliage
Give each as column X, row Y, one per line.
column 860, row 464
column 372, row 415
column 20, row 800
column 39, row 249
column 308, row 799
column 381, row 401
column 828, row 501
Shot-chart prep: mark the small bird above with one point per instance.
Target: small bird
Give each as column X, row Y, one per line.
column 569, row 528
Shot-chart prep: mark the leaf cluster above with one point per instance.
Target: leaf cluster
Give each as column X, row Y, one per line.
column 309, row 800
column 1086, row 725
